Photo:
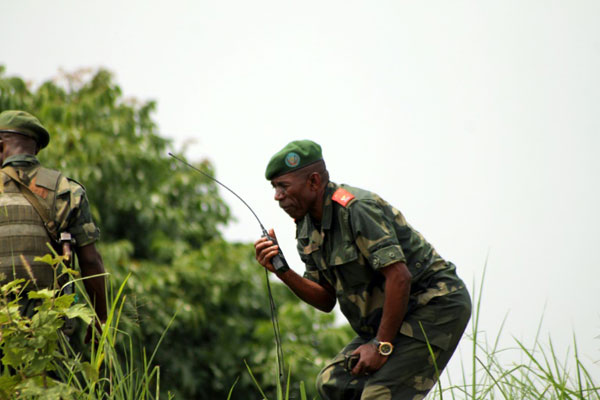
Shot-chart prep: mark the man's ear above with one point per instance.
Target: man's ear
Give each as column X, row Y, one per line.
column 314, row 181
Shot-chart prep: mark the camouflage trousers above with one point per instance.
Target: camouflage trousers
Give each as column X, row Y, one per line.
column 409, row 373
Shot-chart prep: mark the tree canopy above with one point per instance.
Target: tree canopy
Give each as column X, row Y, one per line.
column 161, row 222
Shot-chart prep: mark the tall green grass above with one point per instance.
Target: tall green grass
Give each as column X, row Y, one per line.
column 540, row 373
column 116, row 372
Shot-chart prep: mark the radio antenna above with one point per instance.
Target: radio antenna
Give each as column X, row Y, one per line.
column 278, row 262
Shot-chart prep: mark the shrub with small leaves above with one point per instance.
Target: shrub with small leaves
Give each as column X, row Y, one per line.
column 30, row 345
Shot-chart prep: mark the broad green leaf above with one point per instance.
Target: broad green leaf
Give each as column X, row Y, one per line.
column 64, row 301
column 12, row 285
column 80, row 311
column 48, row 259
column 41, row 294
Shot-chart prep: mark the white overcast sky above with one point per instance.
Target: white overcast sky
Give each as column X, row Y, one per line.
column 479, row 120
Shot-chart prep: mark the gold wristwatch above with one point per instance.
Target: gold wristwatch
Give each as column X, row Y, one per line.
column 384, row 348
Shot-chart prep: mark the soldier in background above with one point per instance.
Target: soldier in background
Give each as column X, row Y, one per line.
column 37, row 206
column 396, row 291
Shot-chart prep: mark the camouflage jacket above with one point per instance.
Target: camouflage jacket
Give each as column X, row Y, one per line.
column 71, row 208
column 359, row 234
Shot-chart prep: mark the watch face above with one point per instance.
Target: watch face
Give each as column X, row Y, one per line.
column 385, row 348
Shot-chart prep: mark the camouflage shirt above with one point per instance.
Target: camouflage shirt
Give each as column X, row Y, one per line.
column 359, row 234
column 71, row 207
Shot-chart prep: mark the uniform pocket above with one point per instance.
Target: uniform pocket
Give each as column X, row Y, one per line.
column 353, row 275
column 344, row 261
column 344, row 254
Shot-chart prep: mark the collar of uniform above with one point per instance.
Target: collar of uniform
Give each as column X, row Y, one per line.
column 306, row 224
column 20, row 160
column 302, row 227
column 328, row 205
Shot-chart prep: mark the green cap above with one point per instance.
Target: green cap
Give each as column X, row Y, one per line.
column 294, row 156
column 15, row 121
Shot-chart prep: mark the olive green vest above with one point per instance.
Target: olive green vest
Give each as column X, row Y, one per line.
column 23, row 235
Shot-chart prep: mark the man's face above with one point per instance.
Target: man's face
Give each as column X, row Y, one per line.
column 293, row 193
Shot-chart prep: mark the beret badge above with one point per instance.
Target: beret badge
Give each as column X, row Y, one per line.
column 292, row 159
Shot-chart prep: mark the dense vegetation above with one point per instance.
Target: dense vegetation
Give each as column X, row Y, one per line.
column 161, row 222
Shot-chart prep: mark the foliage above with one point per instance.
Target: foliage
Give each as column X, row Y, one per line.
column 224, row 321
column 137, row 193
column 160, row 224
column 38, row 360
column 30, row 346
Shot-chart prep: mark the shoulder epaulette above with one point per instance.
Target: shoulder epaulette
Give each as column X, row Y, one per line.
column 342, row 196
column 47, row 178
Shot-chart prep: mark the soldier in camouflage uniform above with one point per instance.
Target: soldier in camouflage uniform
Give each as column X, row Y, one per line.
column 23, row 233
column 396, row 291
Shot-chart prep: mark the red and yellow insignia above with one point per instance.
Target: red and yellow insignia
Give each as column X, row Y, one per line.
column 40, row 191
column 342, row 196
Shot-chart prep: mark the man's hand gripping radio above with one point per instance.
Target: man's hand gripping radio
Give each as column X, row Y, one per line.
column 278, row 260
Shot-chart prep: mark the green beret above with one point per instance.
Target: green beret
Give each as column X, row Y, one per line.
column 295, row 155
column 14, row 121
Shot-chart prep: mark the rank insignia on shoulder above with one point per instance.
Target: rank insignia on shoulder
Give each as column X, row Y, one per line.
column 342, row 196
column 39, row 190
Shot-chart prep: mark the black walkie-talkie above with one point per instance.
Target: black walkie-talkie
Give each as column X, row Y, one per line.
column 278, row 260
